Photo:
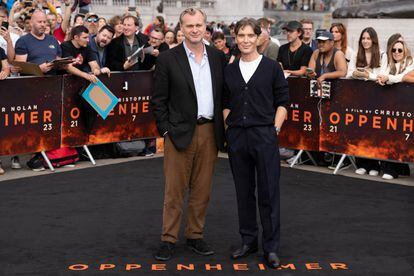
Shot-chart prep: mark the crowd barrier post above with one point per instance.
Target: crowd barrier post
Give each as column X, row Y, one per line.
column 49, row 164
column 85, row 147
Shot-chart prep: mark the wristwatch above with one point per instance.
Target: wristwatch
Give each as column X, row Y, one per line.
column 277, row 130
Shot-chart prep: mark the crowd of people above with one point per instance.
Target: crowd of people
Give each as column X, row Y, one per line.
column 41, row 31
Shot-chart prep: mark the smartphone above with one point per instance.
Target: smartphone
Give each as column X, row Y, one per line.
column 5, row 25
column 309, row 70
column 131, row 8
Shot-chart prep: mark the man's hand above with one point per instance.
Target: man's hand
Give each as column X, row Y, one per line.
column 16, row 5
column 15, row 69
column 311, row 75
column 155, row 52
column 96, row 72
column 90, row 77
column 128, row 64
column 3, row 75
column 105, row 70
column 5, row 34
column 46, row 67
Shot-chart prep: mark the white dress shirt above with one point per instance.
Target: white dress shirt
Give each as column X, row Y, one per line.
column 202, row 83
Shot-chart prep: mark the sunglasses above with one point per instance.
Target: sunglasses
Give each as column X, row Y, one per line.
column 92, row 19
column 399, row 50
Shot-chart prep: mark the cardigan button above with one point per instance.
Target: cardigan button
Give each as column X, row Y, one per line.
column 246, row 88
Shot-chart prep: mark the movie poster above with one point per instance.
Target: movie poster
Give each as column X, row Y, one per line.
column 301, row 128
column 30, row 114
column 130, row 119
column 368, row 120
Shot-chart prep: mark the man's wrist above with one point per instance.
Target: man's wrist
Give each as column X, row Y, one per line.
column 277, row 130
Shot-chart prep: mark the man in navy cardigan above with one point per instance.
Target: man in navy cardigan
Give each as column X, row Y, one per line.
column 255, row 102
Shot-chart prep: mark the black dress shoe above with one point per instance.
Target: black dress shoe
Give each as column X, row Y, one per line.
column 200, row 247
column 272, row 260
column 244, row 251
column 165, row 251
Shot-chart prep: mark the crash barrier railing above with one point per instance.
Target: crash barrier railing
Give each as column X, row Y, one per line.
column 360, row 118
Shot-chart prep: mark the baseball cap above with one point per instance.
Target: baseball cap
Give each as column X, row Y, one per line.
column 292, row 25
column 325, row 35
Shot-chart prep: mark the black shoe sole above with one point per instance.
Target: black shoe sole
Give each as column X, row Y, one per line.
column 270, row 264
column 208, row 253
column 250, row 251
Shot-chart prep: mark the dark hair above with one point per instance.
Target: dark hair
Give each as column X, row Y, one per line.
column 161, row 20
column 108, row 28
column 159, row 30
column 78, row 30
column 115, row 20
column 248, row 22
column 209, row 29
column 264, row 23
column 136, row 22
column 4, row 9
column 342, row 30
column 375, row 51
column 78, row 15
column 217, row 35
column 175, row 35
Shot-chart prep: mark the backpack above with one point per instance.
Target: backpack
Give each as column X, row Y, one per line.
column 61, row 157
column 128, row 149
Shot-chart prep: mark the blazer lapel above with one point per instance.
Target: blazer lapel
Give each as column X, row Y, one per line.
column 212, row 63
column 182, row 60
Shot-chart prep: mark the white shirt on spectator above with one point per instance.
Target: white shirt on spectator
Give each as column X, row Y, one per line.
column 373, row 72
column 3, row 44
column 398, row 77
column 349, row 53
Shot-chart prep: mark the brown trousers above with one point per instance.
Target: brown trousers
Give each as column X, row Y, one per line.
column 192, row 170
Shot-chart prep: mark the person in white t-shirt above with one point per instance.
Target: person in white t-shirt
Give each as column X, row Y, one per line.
column 255, row 103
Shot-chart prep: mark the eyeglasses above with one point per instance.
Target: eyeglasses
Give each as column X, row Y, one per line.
column 92, row 19
column 399, row 50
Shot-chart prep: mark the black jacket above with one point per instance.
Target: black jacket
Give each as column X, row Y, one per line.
column 116, row 57
column 174, row 101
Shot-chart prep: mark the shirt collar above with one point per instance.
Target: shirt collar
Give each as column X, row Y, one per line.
column 190, row 53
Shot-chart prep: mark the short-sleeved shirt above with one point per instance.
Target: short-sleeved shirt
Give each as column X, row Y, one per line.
column 38, row 51
column 294, row 60
column 2, row 57
column 85, row 54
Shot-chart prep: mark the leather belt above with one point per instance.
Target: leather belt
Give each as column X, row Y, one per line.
column 202, row 121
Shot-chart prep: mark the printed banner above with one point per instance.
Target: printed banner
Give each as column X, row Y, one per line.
column 30, row 114
column 129, row 120
column 368, row 120
column 301, row 128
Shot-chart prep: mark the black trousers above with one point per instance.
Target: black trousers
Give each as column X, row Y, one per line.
column 254, row 151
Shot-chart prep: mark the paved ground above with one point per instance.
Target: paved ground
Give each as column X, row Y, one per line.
column 25, row 172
